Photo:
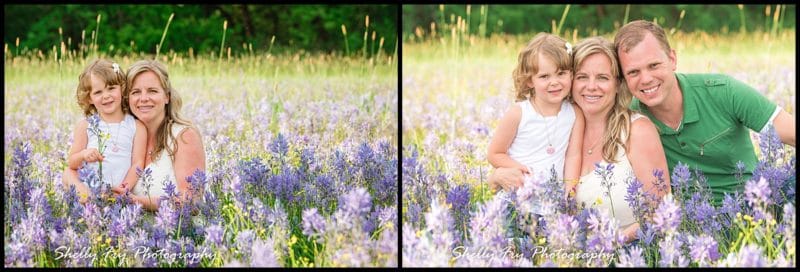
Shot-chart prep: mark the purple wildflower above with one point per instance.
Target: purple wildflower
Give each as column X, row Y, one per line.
column 703, row 249
column 440, row 225
column 670, row 251
column 356, row 202
column 748, row 256
column 458, row 198
column 263, row 254
column 244, row 242
column 215, row 235
column 279, row 145
column 313, row 223
column 631, row 258
column 757, row 192
column 667, row 216
column 681, row 176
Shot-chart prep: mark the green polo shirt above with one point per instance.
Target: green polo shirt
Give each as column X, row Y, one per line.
column 718, row 114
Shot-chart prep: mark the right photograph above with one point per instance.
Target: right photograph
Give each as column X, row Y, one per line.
column 598, row 136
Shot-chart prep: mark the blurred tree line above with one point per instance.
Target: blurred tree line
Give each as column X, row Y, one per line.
column 595, row 19
column 139, row 28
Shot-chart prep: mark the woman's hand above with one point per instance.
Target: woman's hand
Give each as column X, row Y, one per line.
column 119, row 190
column 91, row 155
column 507, row 178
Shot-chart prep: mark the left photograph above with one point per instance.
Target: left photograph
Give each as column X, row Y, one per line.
column 200, row 136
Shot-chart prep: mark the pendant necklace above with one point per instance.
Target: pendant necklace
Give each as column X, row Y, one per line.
column 115, row 147
column 550, row 149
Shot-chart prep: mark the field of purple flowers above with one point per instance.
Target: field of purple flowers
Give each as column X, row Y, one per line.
column 452, row 219
column 301, row 160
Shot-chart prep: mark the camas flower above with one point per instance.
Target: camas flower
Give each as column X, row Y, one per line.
column 356, row 202
column 748, row 256
column 631, row 258
column 668, row 215
column 263, row 254
column 703, row 249
column 757, row 192
column 313, row 223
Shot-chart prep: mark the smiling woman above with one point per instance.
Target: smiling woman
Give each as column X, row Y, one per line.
column 175, row 154
column 630, row 143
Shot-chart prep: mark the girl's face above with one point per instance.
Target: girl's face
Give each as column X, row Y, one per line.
column 550, row 84
column 147, row 98
column 106, row 98
column 595, row 89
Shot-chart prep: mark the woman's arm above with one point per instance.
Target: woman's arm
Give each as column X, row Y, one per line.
column 189, row 156
column 646, row 154
column 503, row 137
column 572, row 162
column 137, row 155
column 149, row 203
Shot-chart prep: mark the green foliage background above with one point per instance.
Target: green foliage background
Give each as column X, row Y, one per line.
column 594, row 19
column 138, row 28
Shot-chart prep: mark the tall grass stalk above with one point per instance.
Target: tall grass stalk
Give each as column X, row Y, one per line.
column 627, row 12
column 372, row 48
column 366, row 33
column 344, row 34
column 767, row 13
column 680, row 20
column 95, row 34
column 775, row 17
column 742, row 26
column 222, row 45
column 469, row 18
column 164, row 34
column 484, row 16
column 441, row 16
column 561, row 23
column 272, row 41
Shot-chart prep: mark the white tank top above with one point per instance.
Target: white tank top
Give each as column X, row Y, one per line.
column 162, row 169
column 534, row 135
column 118, row 149
column 589, row 188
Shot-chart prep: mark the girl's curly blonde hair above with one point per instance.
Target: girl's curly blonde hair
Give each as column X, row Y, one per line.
column 543, row 45
column 105, row 71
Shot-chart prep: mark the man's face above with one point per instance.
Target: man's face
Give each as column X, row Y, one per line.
column 649, row 71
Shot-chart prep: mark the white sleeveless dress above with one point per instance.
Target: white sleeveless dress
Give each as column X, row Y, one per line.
column 589, row 188
column 118, row 149
column 162, row 169
column 534, row 135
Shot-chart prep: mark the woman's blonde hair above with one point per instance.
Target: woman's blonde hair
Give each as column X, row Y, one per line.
column 104, row 70
column 547, row 45
column 172, row 109
column 619, row 118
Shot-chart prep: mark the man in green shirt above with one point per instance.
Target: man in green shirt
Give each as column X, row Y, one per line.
column 704, row 120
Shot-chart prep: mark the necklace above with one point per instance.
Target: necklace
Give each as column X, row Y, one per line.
column 595, row 144
column 550, row 149
column 115, row 147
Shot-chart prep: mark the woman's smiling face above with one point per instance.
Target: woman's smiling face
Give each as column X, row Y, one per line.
column 147, row 98
column 594, row 87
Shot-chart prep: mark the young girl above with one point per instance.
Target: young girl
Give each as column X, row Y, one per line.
column 542, row 130
column 122, row 137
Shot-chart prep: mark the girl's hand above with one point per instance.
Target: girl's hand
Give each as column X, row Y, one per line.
column 121, row 189
column 506, row 178
column 91, row 155
column 525, row 170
